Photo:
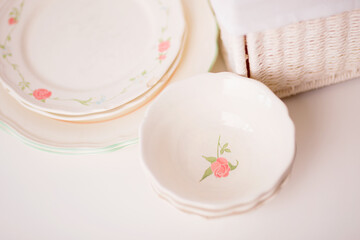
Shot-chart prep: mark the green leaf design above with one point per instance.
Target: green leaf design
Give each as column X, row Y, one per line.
column 4, row 55
column 132, row 79
column 2, row 46
column 232, row 167
column 210, row 159
column 24, row 85
column 217, row 147
column 143, row 73
column 207, row 173
column 83, row 102
column 8, row 38
column 224, row 148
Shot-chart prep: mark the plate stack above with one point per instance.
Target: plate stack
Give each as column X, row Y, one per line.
column 97, row 62
column 93, row 60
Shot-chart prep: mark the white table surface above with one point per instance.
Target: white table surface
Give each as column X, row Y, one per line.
column 107, row 196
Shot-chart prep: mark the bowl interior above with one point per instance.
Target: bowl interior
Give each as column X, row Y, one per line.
column 193, row 124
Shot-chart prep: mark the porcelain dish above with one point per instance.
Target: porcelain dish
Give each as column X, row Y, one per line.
column 199, row 54
column 227, row 143
column 121, row 110
column 74, row 57
column 231, row 211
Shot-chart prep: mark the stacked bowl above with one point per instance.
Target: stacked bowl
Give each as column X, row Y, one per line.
column 226, row 147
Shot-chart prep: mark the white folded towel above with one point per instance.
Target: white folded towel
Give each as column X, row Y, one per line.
column 240, row 17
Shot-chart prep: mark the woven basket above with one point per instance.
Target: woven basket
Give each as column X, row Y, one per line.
column 298, row 57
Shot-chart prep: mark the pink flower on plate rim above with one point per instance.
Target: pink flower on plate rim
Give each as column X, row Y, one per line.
column 41, row 94
column 164, row 45
column 220, row 167
column 12, row 21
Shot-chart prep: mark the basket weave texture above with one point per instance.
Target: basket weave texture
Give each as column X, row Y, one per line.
column 298, row 57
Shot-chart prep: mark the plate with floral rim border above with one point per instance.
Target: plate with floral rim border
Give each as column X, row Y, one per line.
column 121, row 110
column 81, row 57
column 50, row 135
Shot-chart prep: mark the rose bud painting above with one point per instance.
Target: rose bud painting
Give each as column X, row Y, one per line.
column 220, row 166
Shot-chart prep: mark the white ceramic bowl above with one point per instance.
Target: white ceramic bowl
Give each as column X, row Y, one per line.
column 236, row 210
column 217, row 142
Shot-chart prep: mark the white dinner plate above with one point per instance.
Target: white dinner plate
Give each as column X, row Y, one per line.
column 121, row 110
column 78, row 57
column 52, row 135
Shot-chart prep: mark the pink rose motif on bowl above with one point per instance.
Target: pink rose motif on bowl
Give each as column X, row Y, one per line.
column 12, row 21
column 220, row 166
column 41, row 94
column 164, row 45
